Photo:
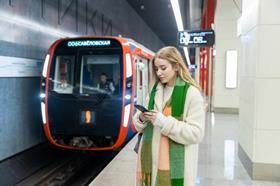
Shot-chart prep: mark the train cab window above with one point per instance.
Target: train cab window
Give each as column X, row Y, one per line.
column 64, row 74
column 100, row 74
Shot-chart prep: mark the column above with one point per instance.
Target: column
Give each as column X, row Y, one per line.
column 259, row 128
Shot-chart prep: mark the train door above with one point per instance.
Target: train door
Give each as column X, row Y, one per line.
column 141, row 79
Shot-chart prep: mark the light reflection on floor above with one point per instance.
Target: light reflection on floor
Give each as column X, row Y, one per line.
column 219, row 164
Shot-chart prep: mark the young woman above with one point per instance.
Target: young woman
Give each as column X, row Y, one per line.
column 174, row 125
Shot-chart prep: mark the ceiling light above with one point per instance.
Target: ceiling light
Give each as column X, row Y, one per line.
column 177, row 14
column 179, row 22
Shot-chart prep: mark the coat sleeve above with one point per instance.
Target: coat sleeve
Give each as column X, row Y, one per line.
column 191, row 129
column 137, row 123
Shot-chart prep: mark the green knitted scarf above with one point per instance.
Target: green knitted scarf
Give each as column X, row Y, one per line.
column 176, row 151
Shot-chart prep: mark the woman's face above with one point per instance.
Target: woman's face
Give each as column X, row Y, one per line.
column 165, row 71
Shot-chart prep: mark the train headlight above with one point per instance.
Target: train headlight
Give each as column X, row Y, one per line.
column 128, row 65
column 129, row 84
column 43, row 110
column 46, row 64
column 126, row 115
column 128, row 96
column 42, row 95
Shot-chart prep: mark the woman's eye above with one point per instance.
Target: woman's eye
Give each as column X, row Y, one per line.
column 163, row 68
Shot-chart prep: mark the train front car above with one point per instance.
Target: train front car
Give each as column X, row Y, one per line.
column 87, row 93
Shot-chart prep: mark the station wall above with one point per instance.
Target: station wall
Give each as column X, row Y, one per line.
column 259, row 129
column 226, row 16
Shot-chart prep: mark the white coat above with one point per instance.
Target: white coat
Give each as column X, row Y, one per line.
column 189, row 132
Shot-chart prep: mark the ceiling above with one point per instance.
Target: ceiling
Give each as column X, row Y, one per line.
column 158, row 15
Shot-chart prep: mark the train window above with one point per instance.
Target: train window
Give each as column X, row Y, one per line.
column 100, row 74
column 64, row 74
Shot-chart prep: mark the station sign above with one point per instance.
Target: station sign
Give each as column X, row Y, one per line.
column 198, row 38
column 89, row 43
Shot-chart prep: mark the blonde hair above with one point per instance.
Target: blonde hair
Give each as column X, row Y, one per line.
column 172, row 55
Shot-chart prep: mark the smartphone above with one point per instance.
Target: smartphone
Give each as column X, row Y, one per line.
column 141, row 108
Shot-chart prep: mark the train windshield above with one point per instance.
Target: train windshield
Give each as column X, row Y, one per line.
column 100, row 73
column 64, row 74
column 86, row 72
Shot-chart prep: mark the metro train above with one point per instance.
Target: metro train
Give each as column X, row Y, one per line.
column 79, row 113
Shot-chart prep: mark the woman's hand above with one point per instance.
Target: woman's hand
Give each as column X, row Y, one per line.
column 148, row 116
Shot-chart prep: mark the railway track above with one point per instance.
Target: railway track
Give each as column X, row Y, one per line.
column 47, row 165
column 78, row 169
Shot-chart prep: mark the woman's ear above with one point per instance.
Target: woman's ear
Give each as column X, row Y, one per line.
column 176, row 67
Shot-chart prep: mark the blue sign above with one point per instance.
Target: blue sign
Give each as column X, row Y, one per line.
column 199, row 38
column 85, row 43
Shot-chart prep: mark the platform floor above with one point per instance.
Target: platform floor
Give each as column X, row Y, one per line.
column 121, row 170
column 219, row 164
